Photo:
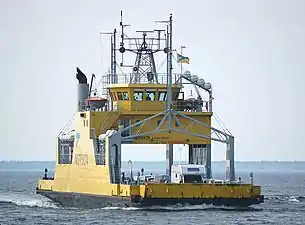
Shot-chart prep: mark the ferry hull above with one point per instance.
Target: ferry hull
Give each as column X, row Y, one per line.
column 81, row 200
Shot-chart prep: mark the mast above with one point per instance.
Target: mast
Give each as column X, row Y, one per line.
column 181, row 47
column 111, row 78
column 114, row 57
column 169, row 74
column 111, row 62
column 169, row 147
column 144, row 68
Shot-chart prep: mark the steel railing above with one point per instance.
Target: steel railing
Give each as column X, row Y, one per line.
column 131, row 78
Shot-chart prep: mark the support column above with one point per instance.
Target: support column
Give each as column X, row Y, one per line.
column 208, row 161
column 113, row 149
column 169, row 159
column 230, row 169
column 191, row 154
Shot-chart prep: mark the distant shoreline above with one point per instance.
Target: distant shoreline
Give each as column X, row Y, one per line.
column 161, row 161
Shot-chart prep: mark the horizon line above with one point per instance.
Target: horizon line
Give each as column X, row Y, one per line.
column 29, row 161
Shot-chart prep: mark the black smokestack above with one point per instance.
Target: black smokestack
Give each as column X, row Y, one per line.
column 81, row 77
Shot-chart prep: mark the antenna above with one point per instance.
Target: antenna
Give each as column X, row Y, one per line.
column 145, row 47
column 170, row 71
column 159, row 36
column 144, row 67
column 122, row 27
column 113, row 78
column 169, row 51
column 122, row 48
column 114, row 57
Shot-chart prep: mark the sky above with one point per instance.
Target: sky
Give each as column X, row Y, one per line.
column 253, row 53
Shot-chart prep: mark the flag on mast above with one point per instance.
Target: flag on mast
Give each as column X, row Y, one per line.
column 182, row 59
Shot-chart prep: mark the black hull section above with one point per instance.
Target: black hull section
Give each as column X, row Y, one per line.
column 230, row 202
column 79, row 200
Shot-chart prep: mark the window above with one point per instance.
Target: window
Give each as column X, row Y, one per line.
column 120, row 96
column 138, row 95
column 193, row 170
column 181, row 96
column 150, row 95
column 125, row 94
column 87, row 123
column 162, row 96
column 192, row 179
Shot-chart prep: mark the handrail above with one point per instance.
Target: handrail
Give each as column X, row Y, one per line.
column 181, row 106
column 131, row 78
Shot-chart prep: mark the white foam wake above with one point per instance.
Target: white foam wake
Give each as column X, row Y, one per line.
column 293, row 199
column 120, row 208
column 165, row 208
column 26, row 200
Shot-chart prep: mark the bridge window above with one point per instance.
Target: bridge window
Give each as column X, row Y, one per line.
column 162, row 96
column 120, row 96
column 125, row 94
column 150, row 95
column 138, row 95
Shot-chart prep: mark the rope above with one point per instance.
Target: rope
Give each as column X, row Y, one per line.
column 218, row 120
column 67, row 125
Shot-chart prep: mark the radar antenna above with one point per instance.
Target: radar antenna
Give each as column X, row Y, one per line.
column 144, row 68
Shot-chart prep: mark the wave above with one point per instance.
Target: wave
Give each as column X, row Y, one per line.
column 270, row 200
column 285, row 198
column 26, row 200
column 180, row 208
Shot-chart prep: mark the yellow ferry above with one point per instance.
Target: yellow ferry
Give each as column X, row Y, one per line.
column 143, row 107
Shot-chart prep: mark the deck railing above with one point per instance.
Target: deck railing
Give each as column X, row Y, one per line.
column 131, row 78
column 182, row 106
column 191, row 106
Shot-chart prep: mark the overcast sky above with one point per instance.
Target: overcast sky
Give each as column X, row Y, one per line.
column 253, row 53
